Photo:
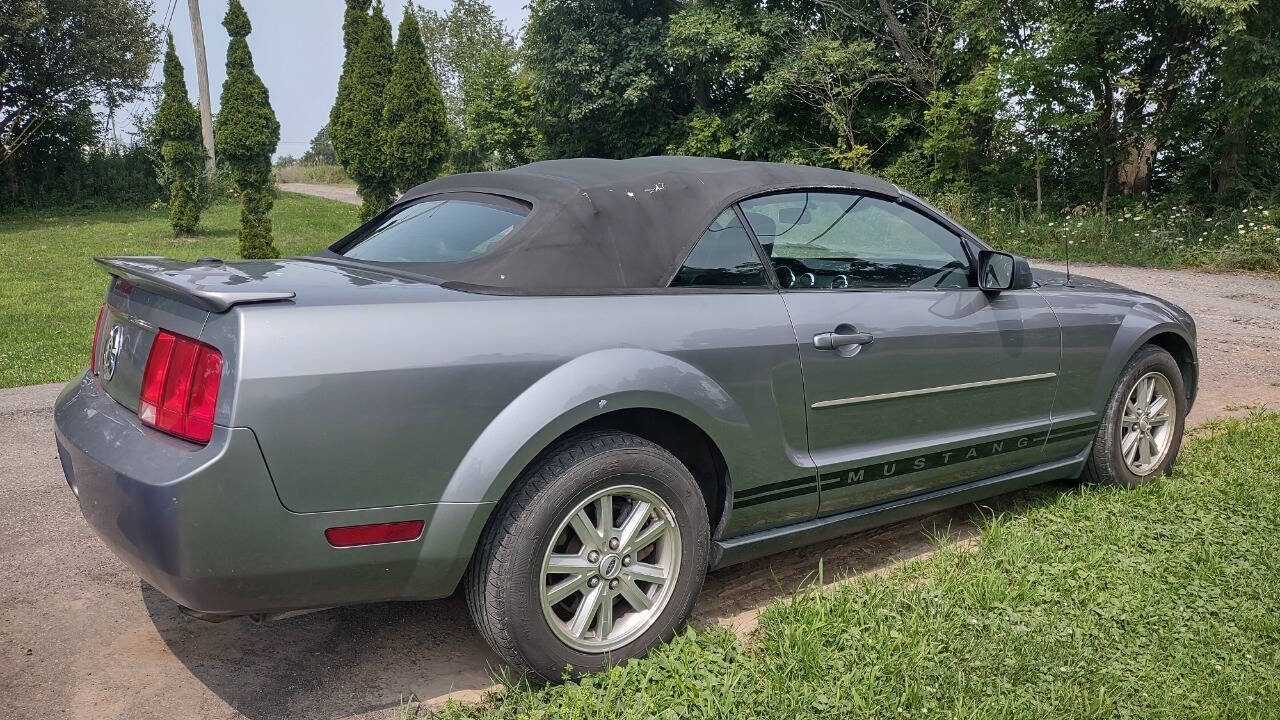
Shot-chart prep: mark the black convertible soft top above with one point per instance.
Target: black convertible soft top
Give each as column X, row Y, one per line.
column 614, row 224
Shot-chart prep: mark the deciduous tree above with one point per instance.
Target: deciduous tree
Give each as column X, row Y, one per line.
column 59, row 55
column 601, row 77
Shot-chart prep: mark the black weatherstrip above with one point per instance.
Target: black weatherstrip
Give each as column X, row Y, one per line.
column 912, row 464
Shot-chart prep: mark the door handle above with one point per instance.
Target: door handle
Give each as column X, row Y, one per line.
column 844, row 336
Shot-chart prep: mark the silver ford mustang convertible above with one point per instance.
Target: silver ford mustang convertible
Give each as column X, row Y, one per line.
column 573, row 387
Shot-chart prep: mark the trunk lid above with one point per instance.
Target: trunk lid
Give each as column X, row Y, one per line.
column 148, row 294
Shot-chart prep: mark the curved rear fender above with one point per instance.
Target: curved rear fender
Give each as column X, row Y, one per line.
column 1143, row 322
column 583, row 388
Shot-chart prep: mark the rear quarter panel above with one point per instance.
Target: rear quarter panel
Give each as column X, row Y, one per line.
column 360, row 406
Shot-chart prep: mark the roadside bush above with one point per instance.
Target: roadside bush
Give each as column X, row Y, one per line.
column 66, row 167
column 1164, row 234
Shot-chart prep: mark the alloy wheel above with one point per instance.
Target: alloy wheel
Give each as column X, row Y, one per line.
column 610, row 568
column 1146, row 427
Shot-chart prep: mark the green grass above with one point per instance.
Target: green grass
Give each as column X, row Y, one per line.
column 50, row 288
column 1169, row 235
column 1089, row 603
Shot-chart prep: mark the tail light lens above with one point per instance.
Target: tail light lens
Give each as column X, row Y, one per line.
column 93, row 349
column 180, row 387
column 355, row 535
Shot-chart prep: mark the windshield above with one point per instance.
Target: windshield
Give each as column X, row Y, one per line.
column 438, row 230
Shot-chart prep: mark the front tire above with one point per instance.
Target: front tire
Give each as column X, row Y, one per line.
column 594, row 557
column 1142, row 427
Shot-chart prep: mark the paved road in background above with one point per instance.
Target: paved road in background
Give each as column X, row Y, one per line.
column 82, row 637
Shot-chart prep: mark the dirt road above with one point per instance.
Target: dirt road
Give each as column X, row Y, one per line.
column 82, row 637
column 344, row 193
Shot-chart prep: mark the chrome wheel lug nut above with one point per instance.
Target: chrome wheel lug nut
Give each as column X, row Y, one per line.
column 594, row 581
column 626, row 560
column 613, row 584
column 593, row 556
column 613, row 543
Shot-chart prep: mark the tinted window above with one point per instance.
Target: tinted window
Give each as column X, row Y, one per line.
column 438, row 230
column 835, row 241
column 724, row 256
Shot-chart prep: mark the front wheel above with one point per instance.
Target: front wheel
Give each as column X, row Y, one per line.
column 1142, row 428
column 595, row 557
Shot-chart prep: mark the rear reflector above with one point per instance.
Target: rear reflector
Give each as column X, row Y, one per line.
column 180, row 387
column 353, row 535
column 97, row 330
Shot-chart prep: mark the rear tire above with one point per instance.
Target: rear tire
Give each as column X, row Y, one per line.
column 552, row 586
column 1142, row 426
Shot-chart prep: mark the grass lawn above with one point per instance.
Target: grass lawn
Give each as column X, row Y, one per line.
column 50, row 288
column 1096, row 603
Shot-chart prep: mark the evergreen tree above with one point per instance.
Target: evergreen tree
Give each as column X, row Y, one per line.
column 177, row 129
column 416, row 139
column 360, row 141
column 247, row 132
column 353, row 22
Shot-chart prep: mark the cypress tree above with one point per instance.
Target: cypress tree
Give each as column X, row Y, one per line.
column 353, row 22
column 361, row 149
column 177, row 128
column 414, row 115
column 247, row 132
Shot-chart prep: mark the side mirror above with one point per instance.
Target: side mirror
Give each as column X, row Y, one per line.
column 1001, row 271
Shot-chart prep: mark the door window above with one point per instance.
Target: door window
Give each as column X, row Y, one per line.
column 724, row 256
column 834, row 241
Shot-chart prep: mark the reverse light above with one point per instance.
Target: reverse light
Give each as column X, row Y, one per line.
column 180, row 387
column 353, row 535
column 93, row 349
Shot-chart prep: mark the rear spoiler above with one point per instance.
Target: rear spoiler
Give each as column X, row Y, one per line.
column 209, row 285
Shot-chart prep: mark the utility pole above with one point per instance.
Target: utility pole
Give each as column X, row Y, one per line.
column 202, row 79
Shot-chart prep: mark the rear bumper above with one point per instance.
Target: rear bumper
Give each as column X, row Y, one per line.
column 204, row 524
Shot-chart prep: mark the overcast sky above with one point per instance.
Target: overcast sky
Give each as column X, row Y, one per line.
column 297, row 51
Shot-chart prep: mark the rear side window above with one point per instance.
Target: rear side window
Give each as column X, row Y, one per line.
column 438, row 229
column 723, row 257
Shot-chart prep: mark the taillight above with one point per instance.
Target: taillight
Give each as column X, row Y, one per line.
column 180, row 387
column 353, row 535
column 97, row 330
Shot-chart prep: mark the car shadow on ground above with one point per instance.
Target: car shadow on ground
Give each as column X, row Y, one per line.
column 367, row 660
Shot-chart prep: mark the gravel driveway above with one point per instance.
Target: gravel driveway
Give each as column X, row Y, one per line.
column 344, row 193
column 82, row 637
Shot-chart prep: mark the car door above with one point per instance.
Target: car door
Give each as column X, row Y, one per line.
column 914, row 378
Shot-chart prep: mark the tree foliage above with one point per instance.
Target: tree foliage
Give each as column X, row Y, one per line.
column 58, row 56
column 600, row 74
column 321, row 150
column 247, row 133
column 176, row 127
column 1074, row 100
column 488, row 95
column 415, row 132
column 357, row 127
column 343, row 114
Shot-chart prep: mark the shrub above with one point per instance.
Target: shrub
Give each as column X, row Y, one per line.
column 247, row 133
column 177, row 129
